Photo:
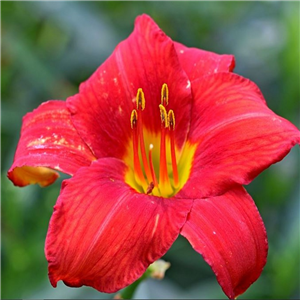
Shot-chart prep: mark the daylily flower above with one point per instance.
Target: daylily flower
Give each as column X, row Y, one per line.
column 159, row 141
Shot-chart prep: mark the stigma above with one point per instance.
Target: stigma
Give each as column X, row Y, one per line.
column 155, row 174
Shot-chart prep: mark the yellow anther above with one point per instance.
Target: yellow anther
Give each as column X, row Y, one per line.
column 171, row 119
column 133, row 119
column 164, row 95
column 163, row 116
column 140, row 99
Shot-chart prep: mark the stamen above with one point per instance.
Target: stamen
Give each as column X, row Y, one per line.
column 140, row 102
column 164, row 181
column 144, row 173
column 151, row 165
column 138, row 173
column 171, row 119
column 164, row 95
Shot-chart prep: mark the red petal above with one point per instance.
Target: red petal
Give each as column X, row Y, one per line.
column 198, row 63
column 146, row 59
column 238, row 135
column 230, row 235
column 48, row 140
column 103, row 234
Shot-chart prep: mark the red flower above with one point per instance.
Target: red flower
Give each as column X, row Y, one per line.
column 159, row 140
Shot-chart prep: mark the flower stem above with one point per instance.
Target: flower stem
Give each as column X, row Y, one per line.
column 129, row 291
column 156, row 270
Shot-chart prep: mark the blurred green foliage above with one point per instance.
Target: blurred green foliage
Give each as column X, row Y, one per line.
column 48, row 48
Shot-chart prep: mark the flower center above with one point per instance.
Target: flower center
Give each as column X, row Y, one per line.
column 155, row 157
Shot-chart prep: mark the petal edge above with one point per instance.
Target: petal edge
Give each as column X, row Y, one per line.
column 48, row 142
column 230, row 235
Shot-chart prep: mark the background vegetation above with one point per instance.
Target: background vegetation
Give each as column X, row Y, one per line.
column 48, row 48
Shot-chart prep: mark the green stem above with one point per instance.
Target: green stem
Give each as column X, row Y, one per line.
column 129, row 291
column 156, row 270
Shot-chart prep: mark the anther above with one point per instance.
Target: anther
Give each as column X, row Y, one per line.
column 171, row 119
column 133, row 119
column 163, row 116
column 164, row 95
column 140, row 99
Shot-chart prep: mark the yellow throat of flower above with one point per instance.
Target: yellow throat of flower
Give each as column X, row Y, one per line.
column 156, row 165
